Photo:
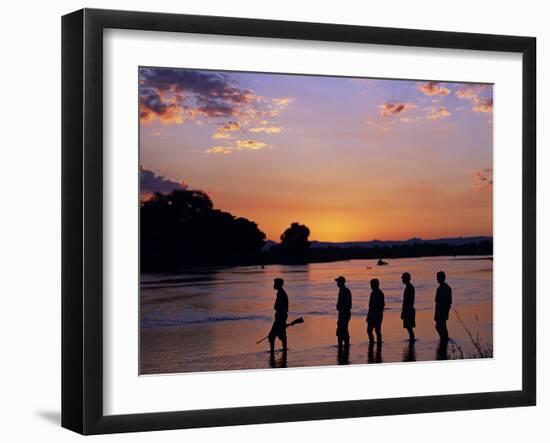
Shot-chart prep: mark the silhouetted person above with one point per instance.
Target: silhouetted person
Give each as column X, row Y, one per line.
column 408, row 313
column 443, row 302
column 343, row 306
column 376, row 311
column 281, row 314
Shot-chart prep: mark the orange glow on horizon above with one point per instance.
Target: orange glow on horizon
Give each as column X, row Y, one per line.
column 352, row 159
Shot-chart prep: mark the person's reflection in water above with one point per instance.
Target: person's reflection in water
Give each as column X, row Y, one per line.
column 343, row 355
column 375, row 352
column 409, row 353
column 279, row 362
column 442, row 348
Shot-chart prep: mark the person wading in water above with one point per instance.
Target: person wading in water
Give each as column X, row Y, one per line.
column 408, row 313
column 443, row 302
column 343, row 306
column 376, row 311
column 281, row 314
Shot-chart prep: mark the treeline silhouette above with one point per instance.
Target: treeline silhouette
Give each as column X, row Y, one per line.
column 420, row 249
column 182, row 229
column 293, row 249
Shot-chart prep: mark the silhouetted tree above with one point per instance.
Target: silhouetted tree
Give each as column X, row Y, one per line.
column 182, row 229
column 295, row 243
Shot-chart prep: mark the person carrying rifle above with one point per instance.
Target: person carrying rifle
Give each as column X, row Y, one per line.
column 278, row 330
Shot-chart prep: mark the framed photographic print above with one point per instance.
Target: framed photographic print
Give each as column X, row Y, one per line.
column 269, row 221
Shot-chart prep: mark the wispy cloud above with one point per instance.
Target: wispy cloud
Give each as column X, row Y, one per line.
column 483, row 179
column 221, row 135
column 253, row 145
column 224, row 131
column 275, row 106
column 483, row 105
column 480, row 95
column 220, row 150
column 267, row 129
column 409, row 119
column 436, row 113
column 282, row 101
column 433, row 88
column 470, row 91
column 237, row 145
column 229, row 127
column 389, row 109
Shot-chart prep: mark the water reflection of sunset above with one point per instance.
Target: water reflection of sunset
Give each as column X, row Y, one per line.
column 211, row 321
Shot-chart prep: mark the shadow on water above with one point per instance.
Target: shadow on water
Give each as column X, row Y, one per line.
column 409, row 353
column 375, row 353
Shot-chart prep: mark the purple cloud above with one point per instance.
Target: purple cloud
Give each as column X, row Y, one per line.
column 176, row 95
column 151, row 183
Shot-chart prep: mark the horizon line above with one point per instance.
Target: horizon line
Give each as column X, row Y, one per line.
column 404, row 240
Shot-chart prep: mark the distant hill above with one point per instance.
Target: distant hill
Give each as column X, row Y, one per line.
column 452, row 241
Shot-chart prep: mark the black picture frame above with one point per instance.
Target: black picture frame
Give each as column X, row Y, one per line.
column 82, row 220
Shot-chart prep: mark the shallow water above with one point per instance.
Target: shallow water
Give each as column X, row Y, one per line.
column 209, row 319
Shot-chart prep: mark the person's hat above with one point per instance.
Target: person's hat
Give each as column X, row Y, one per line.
column 278, row 281
column 340, row 279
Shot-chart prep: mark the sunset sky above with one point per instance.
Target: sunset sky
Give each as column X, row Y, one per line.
column 353, row 159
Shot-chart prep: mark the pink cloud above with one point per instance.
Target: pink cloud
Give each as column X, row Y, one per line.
column 395, row 108
column 433, row 88
column 473, row 92
column 436, row 113
column 483, row 105
column 483, row 179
